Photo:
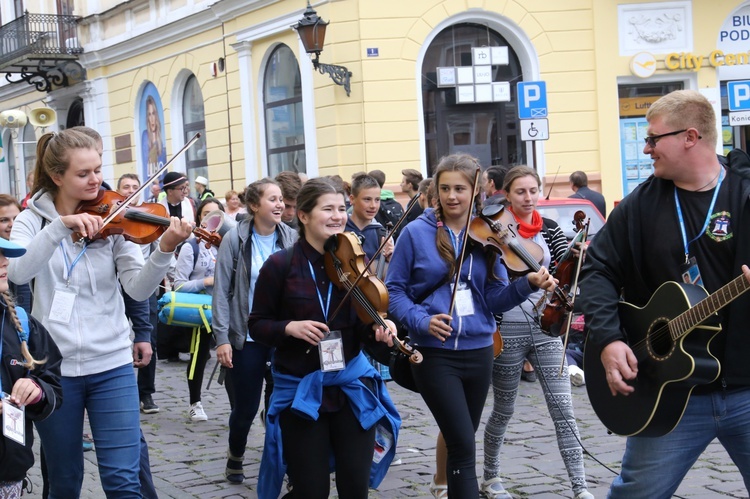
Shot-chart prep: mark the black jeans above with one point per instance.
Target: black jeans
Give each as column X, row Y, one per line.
column 247, row 385
column 454, row 385
column 308, row 445
column 200, row 358
column 147, row 374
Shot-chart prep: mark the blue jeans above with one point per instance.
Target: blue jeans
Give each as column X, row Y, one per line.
column 654, row 467
column 111, row 400
column 247, row 382
column 148, row 491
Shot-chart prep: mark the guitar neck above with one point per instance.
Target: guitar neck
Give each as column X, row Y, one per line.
column 702, row 310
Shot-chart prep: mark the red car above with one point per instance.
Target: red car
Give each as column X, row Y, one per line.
column 563, row 210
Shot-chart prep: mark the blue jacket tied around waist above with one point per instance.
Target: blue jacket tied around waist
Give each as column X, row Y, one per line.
column 304, row 396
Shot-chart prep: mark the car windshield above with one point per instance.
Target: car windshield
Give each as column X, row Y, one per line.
column 563, row 214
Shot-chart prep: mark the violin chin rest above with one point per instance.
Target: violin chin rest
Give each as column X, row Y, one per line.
column 492, row 210
column 331, row 244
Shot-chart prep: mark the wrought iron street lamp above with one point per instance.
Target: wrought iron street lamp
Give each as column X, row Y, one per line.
column 312, row 31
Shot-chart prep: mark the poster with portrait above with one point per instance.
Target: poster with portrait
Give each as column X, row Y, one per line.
column 151, row 125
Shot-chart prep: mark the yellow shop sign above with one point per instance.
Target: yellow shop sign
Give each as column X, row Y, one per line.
column 690, row 61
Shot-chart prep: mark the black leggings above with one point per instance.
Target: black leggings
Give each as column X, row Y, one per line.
column 308, row 445
column 200, row 357
column 454, row 385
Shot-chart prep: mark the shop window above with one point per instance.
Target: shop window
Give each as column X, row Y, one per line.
column 194, row 121
column 634, row 102
column 282, row 103
column 487, row 130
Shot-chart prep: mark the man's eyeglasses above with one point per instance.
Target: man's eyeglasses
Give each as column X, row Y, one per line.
column 651, row 140
column 185, row 188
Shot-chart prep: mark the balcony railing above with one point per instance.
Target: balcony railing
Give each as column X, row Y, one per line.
column 42, row 48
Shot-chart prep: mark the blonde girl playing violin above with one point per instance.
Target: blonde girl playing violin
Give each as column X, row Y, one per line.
column 318, row 410
column 455, row 375
column 523, row 337
column 76, row 297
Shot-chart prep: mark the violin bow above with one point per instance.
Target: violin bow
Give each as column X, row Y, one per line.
column 375, row 255
column 573, row 291
column 129, row 200
column 460, row 262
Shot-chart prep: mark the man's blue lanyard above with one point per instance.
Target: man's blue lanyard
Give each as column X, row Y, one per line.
column 685, row 242
column 70, row 266
column 323, row 308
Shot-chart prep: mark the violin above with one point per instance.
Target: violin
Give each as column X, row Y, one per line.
column 344, row 259
column 141, row 224
column 495, row 228
column 556, row 312
column 111, row 208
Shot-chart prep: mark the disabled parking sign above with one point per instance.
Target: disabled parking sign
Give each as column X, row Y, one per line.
column 532, row 99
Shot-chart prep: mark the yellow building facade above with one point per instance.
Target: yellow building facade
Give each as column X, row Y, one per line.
column 420, row 85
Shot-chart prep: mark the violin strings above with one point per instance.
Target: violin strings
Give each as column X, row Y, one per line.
column 359, row 295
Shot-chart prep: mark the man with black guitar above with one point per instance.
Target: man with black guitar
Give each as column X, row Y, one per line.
column 669, row 365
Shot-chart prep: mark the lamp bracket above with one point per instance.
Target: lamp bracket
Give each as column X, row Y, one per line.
column 339, row 74
column 49, row 75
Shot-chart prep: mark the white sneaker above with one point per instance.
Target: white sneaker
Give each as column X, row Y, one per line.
column 493, row 489
column 584, row 495
column 576, row 376
column 197, row 413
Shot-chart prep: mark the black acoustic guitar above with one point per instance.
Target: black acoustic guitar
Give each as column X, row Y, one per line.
column 670, row 338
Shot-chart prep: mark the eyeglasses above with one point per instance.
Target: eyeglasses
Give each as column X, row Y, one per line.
column 651, row 140
column 185, row 188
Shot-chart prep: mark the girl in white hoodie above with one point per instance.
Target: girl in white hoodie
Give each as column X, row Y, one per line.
column 76, row 297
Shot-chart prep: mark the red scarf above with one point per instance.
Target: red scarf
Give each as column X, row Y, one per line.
column 528, row 230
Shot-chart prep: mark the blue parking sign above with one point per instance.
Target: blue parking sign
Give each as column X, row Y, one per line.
column 532, row 99
column 738, row 95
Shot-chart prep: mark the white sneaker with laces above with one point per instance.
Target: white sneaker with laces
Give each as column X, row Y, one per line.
column 197, row 413
column 576, row 376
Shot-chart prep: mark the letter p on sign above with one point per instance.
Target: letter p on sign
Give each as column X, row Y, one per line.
column 532, row 99
column 738, row 95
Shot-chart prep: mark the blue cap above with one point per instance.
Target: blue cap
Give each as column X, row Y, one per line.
column 11, row 250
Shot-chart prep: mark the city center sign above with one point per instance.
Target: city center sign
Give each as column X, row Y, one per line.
column 717, row 58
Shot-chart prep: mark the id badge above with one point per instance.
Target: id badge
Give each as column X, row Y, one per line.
column 331, row 352
column 63, row 302
column 14, row 420
column 383, row 443
column 691, row 274
column 464, row 300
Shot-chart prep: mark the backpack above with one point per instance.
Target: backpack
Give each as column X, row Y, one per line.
column 390, row 212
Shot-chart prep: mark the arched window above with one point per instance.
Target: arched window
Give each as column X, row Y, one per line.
column 75, row 114
column 194, row 121
column 487, row 130
column 282, row 101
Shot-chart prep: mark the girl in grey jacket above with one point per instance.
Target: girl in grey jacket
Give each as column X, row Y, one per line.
column 241, row 255
column 77, row 299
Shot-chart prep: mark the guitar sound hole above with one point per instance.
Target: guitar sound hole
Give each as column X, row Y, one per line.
column 660, row 342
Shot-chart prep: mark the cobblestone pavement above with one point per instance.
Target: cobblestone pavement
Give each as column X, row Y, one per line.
column 188, row 459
